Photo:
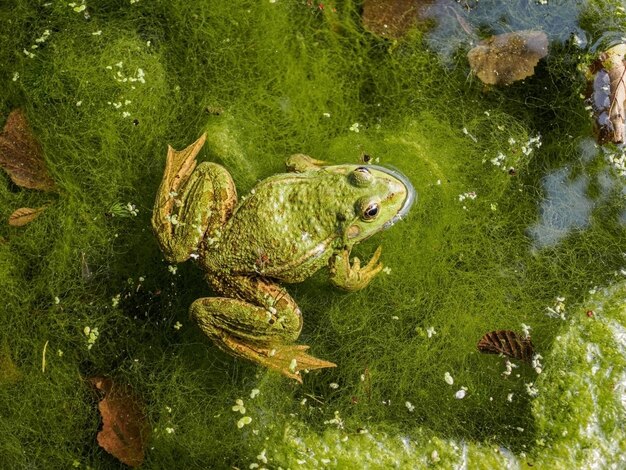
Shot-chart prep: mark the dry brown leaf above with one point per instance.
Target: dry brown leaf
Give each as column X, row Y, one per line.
column 125, row 429
column 508, row 343
column 24, row 215
column 392, row 18
column 21, row 155
column 506, row 58
column 608, row 94
column 395, row 18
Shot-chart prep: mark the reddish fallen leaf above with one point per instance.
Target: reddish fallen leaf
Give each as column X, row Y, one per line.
column 24, row 215
column 508, row 343
column 125, row 429
column 506, row 58
column 21, row 155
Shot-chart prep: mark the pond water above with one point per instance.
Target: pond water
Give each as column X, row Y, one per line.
column 519, row 225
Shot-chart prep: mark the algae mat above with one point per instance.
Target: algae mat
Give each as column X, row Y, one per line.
column 519, row 225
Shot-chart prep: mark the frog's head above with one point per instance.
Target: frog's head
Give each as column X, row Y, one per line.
column 381, row 197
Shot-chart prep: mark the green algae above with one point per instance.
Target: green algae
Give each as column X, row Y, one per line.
column 106, row 94
column 579, row 412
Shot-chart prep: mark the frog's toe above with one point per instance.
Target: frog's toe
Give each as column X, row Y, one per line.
column 372, row 268
column 356, row 264
column 373, row 262
column 353, row 277
column 289, row 360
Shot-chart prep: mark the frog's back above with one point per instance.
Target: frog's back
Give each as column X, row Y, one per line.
column 285, row 229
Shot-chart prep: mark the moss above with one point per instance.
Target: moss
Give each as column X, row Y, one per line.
column 107, row 93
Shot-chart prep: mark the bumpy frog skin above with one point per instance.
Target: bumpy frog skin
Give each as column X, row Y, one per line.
column 287, row 228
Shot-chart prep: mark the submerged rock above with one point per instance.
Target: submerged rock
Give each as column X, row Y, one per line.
column 506, row 58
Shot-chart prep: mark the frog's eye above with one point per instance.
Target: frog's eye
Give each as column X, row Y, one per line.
column 371, row 212
column 361, row 177
column 368, row 209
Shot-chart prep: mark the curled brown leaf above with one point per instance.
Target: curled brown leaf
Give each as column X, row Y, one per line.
column 21, row 155
column 508, row 343
column 125, row 429
column 24, row 215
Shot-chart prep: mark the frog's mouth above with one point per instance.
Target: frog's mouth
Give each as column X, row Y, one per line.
column 411, row 194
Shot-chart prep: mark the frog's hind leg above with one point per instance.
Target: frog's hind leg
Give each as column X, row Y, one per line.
column 263, row 334
column 192, row 202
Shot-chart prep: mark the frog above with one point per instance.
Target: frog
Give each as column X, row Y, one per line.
column 288, row 227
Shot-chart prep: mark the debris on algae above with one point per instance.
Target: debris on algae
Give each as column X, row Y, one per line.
column 509, row 57
column 608, row 93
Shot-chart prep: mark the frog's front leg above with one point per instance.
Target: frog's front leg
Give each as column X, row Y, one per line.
column 192, row 203
column 299, row 163
column 353, row 277
column 259, row 321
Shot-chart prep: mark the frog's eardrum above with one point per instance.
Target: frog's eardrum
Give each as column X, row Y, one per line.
column 411, row 194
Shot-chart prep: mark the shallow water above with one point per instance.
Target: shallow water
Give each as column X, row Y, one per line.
column 565, row 208
column 484, row 248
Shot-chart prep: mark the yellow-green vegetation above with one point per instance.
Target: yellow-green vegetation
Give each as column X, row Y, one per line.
column 108, row 86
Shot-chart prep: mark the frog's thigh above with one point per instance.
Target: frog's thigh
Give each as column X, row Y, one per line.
column 202, row 208
column 221, row 318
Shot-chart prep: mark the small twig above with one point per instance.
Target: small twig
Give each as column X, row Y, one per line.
column 314, row 398
column 43, row 357
column 621, row 80
column 464, row 25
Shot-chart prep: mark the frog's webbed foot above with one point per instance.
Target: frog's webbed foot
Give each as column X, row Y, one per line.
column 353, row 277
column 289, row 360
column 178, row 168
column 299, row 163
column 190, row 202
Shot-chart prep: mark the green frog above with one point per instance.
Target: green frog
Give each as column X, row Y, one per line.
column 286, row 229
